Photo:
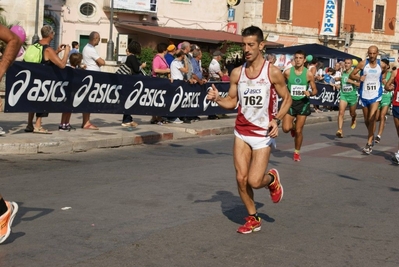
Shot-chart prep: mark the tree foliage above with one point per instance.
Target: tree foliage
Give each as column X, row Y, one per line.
column 147, row 55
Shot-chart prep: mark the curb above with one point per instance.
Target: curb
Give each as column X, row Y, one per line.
column 113, row 139
column 83, row 144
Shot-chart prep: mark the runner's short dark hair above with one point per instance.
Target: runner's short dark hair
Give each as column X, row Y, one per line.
column 253, row 30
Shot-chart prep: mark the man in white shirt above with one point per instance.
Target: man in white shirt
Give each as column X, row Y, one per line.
column 215, row 73
column 90, row 56
column 93, row 62
column 337, row 75
column 177, row 69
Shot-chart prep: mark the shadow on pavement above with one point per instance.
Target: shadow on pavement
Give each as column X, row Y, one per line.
column 232, row 206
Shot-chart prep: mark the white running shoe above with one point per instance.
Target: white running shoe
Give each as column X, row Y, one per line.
column 395, row 158
column 368, row 149
column 177, row 121
column 6, row 220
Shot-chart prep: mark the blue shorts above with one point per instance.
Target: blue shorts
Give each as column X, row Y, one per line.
column 395, row 111
column 367, row 102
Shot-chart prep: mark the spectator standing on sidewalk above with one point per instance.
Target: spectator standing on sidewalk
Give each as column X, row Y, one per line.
column 160, row 69
column 93, row 62
column 197, row 70
column 271, row 58
column 170, row 55
column 75, row 48
column 177, row 71
column 214, row 70
column 75, row 62
column 186, row 48
column 225, row 77
column 215, row 74
column 133, row 63
column 8, row 209
column 50, row 57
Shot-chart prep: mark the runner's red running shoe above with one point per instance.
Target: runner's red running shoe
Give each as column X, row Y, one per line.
column 296, row 157
column 251, row 225
column 275, row 188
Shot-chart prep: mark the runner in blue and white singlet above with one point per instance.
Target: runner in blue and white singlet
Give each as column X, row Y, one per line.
column 370, row 91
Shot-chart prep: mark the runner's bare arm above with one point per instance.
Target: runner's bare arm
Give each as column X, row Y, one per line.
column 312, row 84
column 52, row 55
column 277, row 79
column 286, row 75
column 358, row 68
column 279, row 82
column 230, row 101
column 354, row 82
column 388, row 85
column 12, row 48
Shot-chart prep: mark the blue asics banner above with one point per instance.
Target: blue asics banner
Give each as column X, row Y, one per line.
column 32, row 87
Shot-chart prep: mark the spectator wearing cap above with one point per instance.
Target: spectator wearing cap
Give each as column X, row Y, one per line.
column 170, row 55
column 215, row 72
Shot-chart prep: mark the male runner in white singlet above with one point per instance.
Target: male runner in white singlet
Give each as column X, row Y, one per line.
column 254, row 86
column 370, row 91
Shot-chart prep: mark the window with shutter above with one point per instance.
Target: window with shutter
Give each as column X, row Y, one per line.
column 379, row 17
column 285, row 9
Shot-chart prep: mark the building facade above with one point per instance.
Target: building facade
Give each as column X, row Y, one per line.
column 361, row 23
column 120, row 21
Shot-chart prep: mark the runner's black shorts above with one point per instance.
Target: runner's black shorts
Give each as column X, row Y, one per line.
column 300, row 107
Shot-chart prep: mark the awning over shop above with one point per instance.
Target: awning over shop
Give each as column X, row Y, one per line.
column 199, row 35
column 315, row 50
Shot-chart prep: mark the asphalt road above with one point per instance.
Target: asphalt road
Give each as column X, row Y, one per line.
column 176, row 204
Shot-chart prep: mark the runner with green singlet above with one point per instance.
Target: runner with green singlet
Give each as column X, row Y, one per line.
column 298, row 79
column 347, row 97
column 386, row 101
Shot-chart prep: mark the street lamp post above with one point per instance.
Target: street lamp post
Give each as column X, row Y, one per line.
column 35, row 37
column 110, row 43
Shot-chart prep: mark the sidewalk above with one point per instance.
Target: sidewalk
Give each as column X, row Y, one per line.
column 111, row 133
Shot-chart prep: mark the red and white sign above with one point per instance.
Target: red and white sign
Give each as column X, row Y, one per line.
column 232, row 27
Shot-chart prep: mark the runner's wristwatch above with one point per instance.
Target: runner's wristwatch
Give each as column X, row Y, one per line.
column 278, row 121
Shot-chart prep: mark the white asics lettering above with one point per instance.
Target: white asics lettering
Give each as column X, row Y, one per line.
column 96, row 92
column 18, row 88
column 184, row 99
column 146, row 97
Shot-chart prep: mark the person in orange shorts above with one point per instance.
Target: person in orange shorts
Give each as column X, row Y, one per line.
column 8, row 209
